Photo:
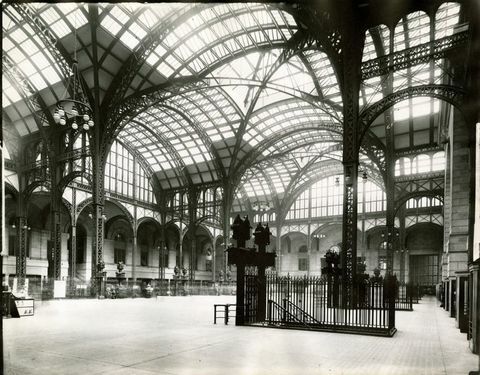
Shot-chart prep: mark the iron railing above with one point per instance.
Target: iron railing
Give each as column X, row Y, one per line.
column 41, row 288
column 317, row 302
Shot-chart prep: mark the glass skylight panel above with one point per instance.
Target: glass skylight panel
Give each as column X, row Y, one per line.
column 129, row 40
column 111, row 25
column 148, row 18
column 76, row 17
column 18, row 35
column 7, row 22
column 119, row 15
column 165, row 69
column 11, row 92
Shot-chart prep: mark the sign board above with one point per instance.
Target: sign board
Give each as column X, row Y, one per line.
column 59, row 288
column 25, row 307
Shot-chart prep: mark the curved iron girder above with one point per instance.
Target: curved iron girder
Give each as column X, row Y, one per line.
column 271, row 186
column 210, row 219
column 293, row 192
column 311, row 163
column 285, row 155
column 134, row 105
column 124, row 211
column 82, row 205
column 296, row 43
column 70, row 177
column 122, row 81
column 254, row 154
column 203, row 136
column 407, row 185
column 28, row 191
column 399, row 202
column 450, row 94
column 321, row 27
column 59, row 53
column 177, row 159
column 376, row 152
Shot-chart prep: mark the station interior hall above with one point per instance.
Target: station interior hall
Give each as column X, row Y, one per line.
column 179, row 177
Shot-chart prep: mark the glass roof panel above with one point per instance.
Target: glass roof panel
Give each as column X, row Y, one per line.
column 294, row 74
column 285, row 117
column 218, row 31
column 30, row 55
column 9, row 93
column 324, row 72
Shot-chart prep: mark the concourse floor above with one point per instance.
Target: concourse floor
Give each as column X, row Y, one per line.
column 176, row 335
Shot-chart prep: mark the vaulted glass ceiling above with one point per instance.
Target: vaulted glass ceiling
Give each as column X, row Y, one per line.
column 228, row 98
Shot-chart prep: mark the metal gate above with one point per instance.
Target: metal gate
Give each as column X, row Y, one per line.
column 251, row 294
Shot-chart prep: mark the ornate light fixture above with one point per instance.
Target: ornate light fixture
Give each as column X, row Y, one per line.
column 73, row 111
column 261, row 206
column 104, row 217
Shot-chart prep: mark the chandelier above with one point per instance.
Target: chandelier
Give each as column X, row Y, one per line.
column 261, row 206
column 73, row 111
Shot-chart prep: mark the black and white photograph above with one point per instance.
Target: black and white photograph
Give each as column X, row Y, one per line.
column 244, row 188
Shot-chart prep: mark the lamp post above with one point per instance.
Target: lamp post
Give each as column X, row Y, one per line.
column 74, row 110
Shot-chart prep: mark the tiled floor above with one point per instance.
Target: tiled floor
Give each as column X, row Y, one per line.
column 176, row 335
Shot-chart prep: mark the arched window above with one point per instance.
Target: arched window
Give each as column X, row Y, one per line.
column 446, row 18
column 125, row 176
column 327, row 197
column 421, row 164
column 438, row 161
column 403, row 166
column 412, row 203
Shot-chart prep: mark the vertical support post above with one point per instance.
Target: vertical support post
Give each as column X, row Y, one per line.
column 193, row 256
column 56, row 236
column 349, row 249
column 73, row 253
column 240, row 300
column 278, row 246
column 21, row 262
column 97, row 248
column 228, row 191
column 402, row 247
column 350, row 78
column 134, row 256
column 73, row 238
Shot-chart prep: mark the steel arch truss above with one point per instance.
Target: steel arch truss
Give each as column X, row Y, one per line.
column 450, row 94
column 426, row 184
column 409, row 57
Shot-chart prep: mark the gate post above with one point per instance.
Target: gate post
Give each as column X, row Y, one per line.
column 242, row 257
column 240, row 308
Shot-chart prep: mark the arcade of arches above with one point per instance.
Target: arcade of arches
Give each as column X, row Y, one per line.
column 344, row 126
